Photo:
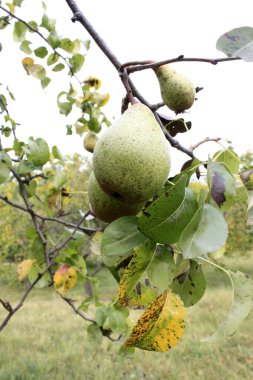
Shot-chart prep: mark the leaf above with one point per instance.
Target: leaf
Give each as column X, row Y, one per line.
column 70, row 46
column 56, row 153
column 41, row 52
column 119, row 239
column 60, row 179
column 240, row 308
column 25, row 47
column 76, row 62
column 221, row 184
column 65, row 278
column 27, row 62
column 95, row 244
column 162, row 269
column 175, row 126
column 24, row 268
column 4, row 172
column 58, row 67
column 229, row 159
column 37, row 71
column 52, row 58
column 237, row 42
column 64, row 107
column 161, row 326
column 94, row 334
column 117, row 321
column 25, row 167
column 143, row 256
column 206, row 233
column 191, row 285
column 19, row 31
column 45, row 82
column 166, row 218
column 48, row 23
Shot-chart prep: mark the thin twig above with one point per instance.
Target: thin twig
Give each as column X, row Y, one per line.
column 206, row 139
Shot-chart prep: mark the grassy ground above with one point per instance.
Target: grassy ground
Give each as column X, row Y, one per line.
column 45, row 340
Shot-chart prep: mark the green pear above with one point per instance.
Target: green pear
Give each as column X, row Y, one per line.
column 90, row 141
column 106, row 207
column 132, row 158
column 177, row 91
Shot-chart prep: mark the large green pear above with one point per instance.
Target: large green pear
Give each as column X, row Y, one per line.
column 177, row 91
column 108, row 207
column 132, row 158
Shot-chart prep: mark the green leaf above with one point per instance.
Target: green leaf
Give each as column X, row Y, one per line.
column 221, row 184
column 229, row 159
column 54, row 40
column 56, row 153
column 191, row 285
column 94, row 334
column 41, row 52
column 45, row 82
column 143, row 256
column 4, row 172
column 25, row 47
column 60, row 179
column 4, row 22
column 70, row 46
column 34, row 25
column 237, row 42
column 117, row 321
column 240, row 308
column 5, row 159
column 162, row 269
column 58, row 67
column 206, row 233
column 48, row 23
column 76, row 62
column 119, row 239
column 166, row 218
column 64, row 107
column 24, row 168
column 101, row 315
column 37, row 71
column 52, row 58
column 19, row 31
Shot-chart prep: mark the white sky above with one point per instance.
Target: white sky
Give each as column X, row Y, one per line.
column 143, row 30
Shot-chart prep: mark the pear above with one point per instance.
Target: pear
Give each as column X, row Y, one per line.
column 132, row 158
column 177, row 91
column 90, row 141
column 106, row 207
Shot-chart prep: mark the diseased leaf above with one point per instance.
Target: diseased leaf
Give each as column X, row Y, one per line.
column 27, row 62
column 162, row 269
column 65, row 278
column 240, row 308
column 24, row 268
column 166, row 218
column 206, row 233
column 221, row 184
column 237, row 42
column 143, row 256
column 161, row 326
column 191, row 285
column 119, row 239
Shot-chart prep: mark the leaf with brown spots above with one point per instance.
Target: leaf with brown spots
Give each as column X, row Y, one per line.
column 161, row 326
column 143, row 256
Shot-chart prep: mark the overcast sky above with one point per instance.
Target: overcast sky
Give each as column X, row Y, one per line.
column 136, row 30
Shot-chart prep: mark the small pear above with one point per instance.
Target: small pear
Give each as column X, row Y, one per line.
column 106, row 207
column 132, row 158
column 177, row 91
column 90, row 141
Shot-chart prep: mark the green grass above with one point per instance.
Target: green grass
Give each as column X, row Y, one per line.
column 46, row 340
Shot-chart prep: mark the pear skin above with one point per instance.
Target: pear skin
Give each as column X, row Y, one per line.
column 106, row 207
column 177, row 91
column 132, row 158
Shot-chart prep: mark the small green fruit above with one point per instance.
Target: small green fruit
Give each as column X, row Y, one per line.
column 132, row 159
column 39, row 152
column 90, row 141
column 177, row 91
column 106, row 207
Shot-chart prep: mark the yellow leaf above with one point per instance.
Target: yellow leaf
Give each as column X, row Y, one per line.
column 161, row 326
column 23, row 269
column 11, row 7
column 27, row 63
column 65, row 278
